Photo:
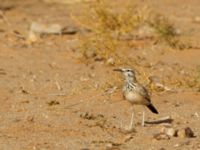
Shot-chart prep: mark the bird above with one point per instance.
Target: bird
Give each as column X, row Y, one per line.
column 135, row 93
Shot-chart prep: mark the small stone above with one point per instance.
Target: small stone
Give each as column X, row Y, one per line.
column 45, row 29
column 196, row 114
column 91, row 75
column 169, row 131
column 52, row 65
column 87, row 115
column 127, row 129
column 53, row 102
column 110, row 61
column 177, row 145
column 84, row 78
column 112, row 146
column 32, row 38
column 30, row 119
column 161, row 136
column 185, row 132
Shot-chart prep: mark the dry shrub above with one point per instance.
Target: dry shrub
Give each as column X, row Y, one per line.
column 165, row 30
column 98, row 46
column 108, row 22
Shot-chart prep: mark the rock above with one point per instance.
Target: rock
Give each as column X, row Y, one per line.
column 32, row 38
column 177, row 145
column 45, row 29
column 113, row 146
column 161, row 136
column 38, row 29
column 110, row 61
column 169, row 131
column 53, row 102
column 87, row 115
column 196, row 114
column 185, row 132
column 127, row 130
column 30, row 118
column 84, row 78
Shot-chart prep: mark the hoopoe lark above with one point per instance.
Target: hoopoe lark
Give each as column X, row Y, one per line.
column 135, row 93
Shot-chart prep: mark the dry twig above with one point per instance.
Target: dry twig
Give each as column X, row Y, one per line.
column 166, row 119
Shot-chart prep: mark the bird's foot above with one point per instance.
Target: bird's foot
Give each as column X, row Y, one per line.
column 131, row 127
column 127, row 129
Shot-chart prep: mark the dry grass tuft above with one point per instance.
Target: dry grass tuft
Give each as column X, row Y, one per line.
column 98, row 46
column 164, row 29
column 109, row 22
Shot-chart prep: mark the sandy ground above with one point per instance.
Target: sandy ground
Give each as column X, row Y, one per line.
column 50, row 99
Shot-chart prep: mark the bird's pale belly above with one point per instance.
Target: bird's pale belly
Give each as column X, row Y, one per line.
column 135, row 98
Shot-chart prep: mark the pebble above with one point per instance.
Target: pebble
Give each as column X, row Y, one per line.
column 185, row 132
column 110, row 61
column 161, row 136
column 127, row 130
column 45, row 29
column 86, row 115
column 169, row 131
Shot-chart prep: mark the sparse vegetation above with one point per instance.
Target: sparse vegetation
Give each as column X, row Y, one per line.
column 107, row 26
column 164, row 29
column 108, row 23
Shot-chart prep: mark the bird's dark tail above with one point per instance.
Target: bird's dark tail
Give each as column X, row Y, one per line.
column 152, row 108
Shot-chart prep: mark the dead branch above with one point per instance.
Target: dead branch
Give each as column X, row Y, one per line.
column 166, row 119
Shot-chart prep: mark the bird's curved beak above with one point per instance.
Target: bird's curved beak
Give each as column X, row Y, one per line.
column 120, row 70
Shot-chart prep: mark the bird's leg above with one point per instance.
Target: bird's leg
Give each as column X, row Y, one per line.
column 143, row 119
column 130, row 127
column 132, row 119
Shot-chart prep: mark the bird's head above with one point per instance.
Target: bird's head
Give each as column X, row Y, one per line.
column 127, row 72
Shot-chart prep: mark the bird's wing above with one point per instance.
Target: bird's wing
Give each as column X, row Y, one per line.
column 143, row 91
